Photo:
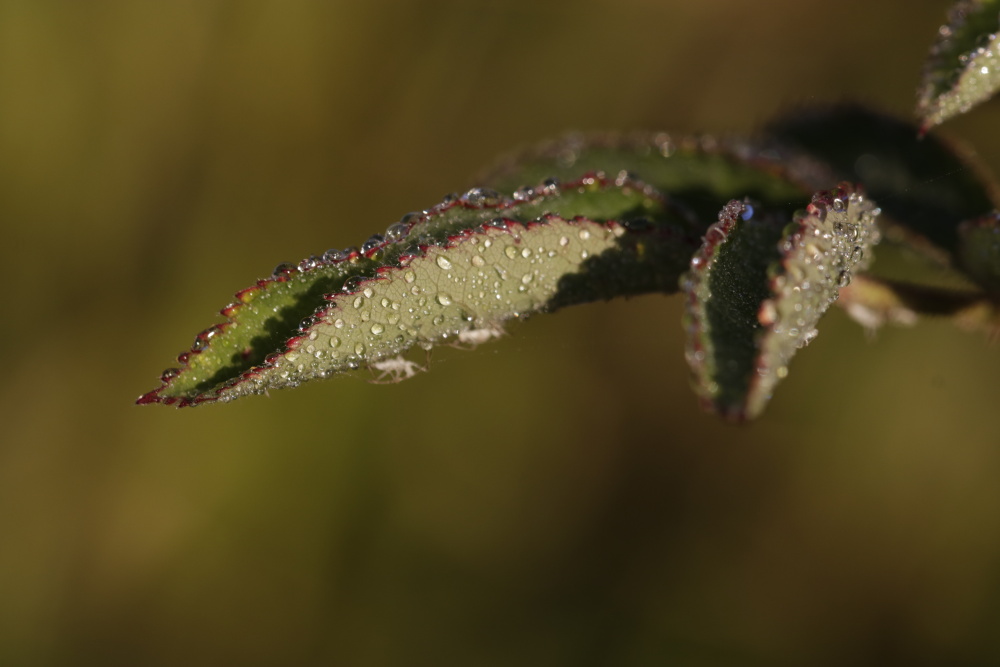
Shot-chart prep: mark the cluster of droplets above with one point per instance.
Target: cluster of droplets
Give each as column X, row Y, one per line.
column 503, row 270
column 488, row 205
column 955, row 80
column 820, row 251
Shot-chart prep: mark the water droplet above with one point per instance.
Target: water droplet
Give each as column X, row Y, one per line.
column 397, row 230
column 563, row 241
column 526, row 278
column 550, row 186
column 584, row 254
column 334, row 255
column 334, row 341
column 477, row 260
column 368, row 292
column 373, row 242
column 358, row 302
column 524, row 193
column 443, row 262
column 283, row 269
column 377, row 329
column 359, row 348
column 857, row 254
column 747, row 212
column 510, row 251
column 338, row 323
column 409, row 276
column 526, row 253
column 496, row 223
column 844, row 279
column 309, row 263
column 584, row 234
column 443, row 299
column 838, row 204
column 366, row 315
column 169, row 374
column 313, row 335
column 482, row 197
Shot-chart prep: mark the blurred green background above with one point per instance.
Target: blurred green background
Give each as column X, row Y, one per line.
column 556, row 498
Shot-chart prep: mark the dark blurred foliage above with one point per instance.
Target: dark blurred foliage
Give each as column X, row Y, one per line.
column 556, row 498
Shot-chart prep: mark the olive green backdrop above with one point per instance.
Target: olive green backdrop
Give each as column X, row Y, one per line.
column 556, row 498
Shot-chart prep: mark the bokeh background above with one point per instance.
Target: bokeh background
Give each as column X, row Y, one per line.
column 555, row 498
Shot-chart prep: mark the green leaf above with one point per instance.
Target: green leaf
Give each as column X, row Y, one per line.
column 924, row 186
column 703, row 172
column 757, row 288
column 979, row 251
column 469, row 263
column 963, row 69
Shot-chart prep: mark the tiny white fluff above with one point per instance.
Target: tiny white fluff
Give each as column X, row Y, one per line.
column 395, row 369
column 479, row 336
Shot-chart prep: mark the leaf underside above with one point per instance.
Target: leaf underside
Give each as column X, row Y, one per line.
column 963, row 69
column 758, row 286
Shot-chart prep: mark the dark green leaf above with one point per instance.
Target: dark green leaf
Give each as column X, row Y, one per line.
column 924, row 185
column 757, row 288
column 979, row 251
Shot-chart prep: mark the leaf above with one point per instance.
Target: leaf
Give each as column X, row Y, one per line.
column 757, row 288
column 979, row 251
column 925, row 187
column 873, row 302
column 703, row 172
column 963, row 69
column 470, row 262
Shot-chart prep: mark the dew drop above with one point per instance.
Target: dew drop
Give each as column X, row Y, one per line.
column 358, row 302
column 368, row 292
column 524, row 193
column 334, row 341
column 844, row 279
column 397, row 230
column 359, row 348
column 584, row 234
column 477, row 260
column 377, row 329
column 443, row 299
column 526, row 253
column 527, row 277
column 563, row 241
column 283, row 269
column 482, row 197
column 409, row 276
column 443, row 262
column 373, row 242
column 338, row 323
column 510, row 251
column 169, row 374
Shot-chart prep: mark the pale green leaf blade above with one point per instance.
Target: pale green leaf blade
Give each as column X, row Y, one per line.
column 270, row 318
column 963, row 69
